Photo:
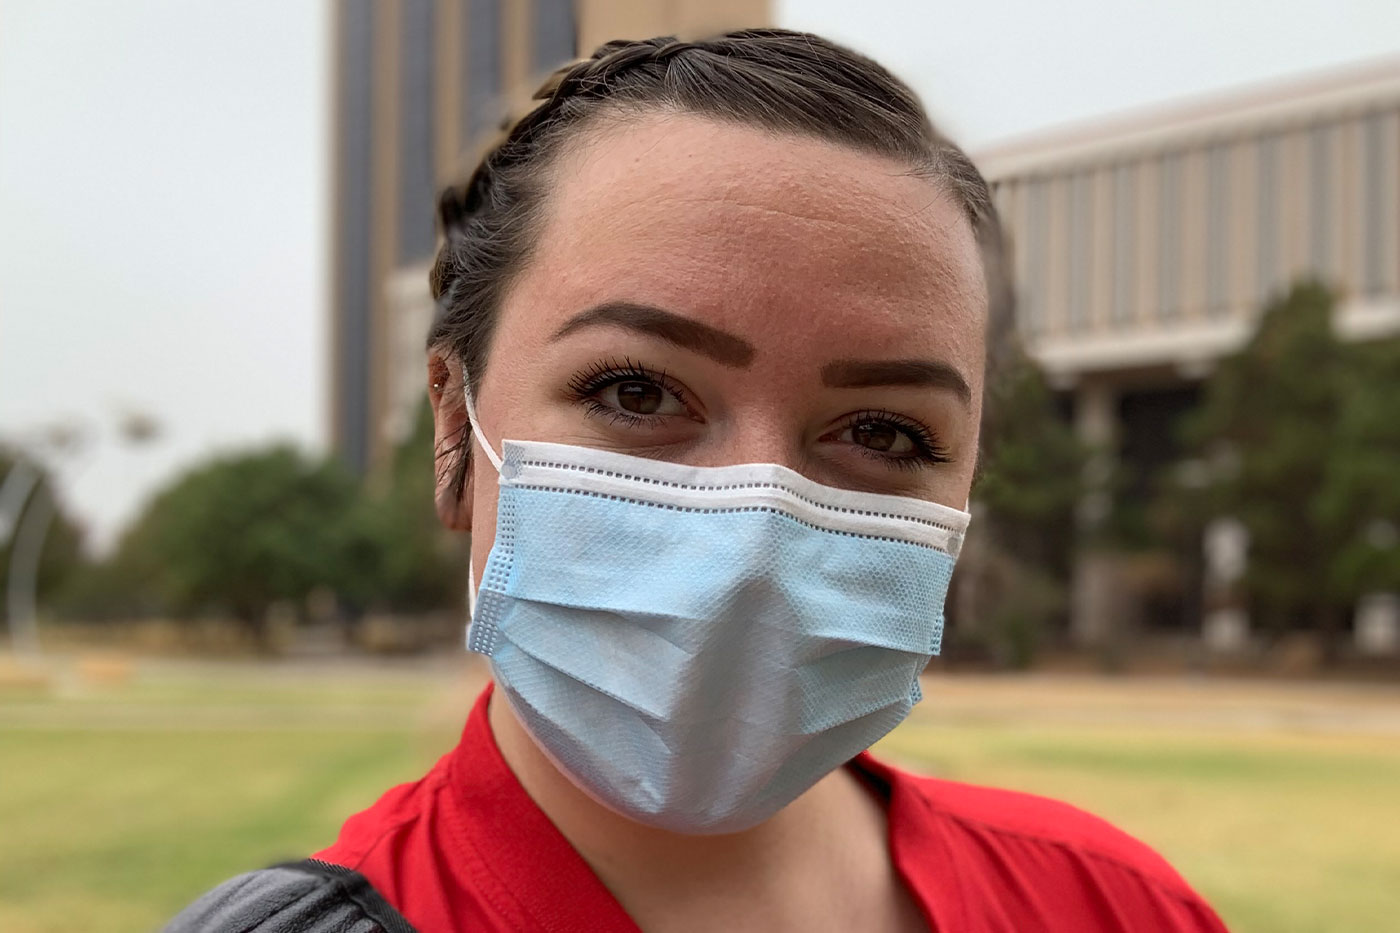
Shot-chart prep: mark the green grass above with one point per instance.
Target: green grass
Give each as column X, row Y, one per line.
column 120, row 804
column 1282, row 833
column 117, row 830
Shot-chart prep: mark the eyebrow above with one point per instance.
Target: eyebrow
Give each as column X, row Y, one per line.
column 719, row 345
column 860, row 374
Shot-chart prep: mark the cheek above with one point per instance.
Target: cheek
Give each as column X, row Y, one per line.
column 483, row 530
column 495, row 419
column 508, row 406
column 967, row 466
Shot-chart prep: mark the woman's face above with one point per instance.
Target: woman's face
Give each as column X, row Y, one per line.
column 713, row 294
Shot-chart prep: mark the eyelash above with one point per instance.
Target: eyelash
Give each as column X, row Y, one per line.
column 927, row 449
column 585, row 385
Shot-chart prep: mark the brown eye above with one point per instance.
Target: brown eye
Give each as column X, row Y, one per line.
column 880, row 436
column 894, row 439
column 642, row 398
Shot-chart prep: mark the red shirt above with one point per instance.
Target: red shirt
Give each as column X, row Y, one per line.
column 465, row 848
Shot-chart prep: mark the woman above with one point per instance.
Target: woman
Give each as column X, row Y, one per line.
column 707, row 378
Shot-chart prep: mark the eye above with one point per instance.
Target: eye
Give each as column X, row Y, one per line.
column 894, row 439
column 628, row 393
column 878, row 435
column 641, row 398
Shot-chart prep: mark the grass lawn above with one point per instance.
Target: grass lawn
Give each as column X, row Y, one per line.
column 120, row 803
column 1282, row 833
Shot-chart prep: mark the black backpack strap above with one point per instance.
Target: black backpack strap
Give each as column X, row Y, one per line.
column 357, row 889
column 309, row 896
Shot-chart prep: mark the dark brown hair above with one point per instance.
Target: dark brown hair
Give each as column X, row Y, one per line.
column 769, row 78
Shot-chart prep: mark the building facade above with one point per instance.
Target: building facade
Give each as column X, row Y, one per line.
column 418, row 84
column 1145, row 250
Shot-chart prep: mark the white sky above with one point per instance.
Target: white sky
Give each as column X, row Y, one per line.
column 164, row 177
column 992, row 69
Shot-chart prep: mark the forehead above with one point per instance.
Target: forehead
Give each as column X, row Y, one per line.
column 765, row 234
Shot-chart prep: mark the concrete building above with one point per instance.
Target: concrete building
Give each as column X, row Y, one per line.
column 1145, row 248
column 417, row 85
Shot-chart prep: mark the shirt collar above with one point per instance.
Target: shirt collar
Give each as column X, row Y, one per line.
column 529, row 859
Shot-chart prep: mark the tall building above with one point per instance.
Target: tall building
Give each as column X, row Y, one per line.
column 1145, row 249
column 417, row 84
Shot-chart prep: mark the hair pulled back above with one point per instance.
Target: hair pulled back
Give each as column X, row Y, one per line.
column 772, row 79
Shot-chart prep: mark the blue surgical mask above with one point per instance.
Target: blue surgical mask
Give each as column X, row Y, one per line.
column 695, row 647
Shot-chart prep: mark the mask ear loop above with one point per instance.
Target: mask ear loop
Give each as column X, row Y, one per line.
column 495, row 461
column 475, row 422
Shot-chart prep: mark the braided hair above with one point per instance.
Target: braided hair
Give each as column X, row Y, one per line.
column 769, row 78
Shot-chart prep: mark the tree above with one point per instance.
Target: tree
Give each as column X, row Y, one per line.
column 1031, row 474
column 1013, row 578
column 239, row 534
column 399, row 556
column 1267, row 428
column 1359, row 503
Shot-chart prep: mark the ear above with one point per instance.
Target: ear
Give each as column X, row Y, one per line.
column 452, row 438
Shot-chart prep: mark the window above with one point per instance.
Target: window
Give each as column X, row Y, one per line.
column 1124, row 242
column 416, row 181
column 1218, row 229
column 1320, row 222
column 1080, row 266
column 1380, row 167
column 1267, row 238
column 1036, row 246
column 355, row 142
column 1169, row 246
column 554, row 34
column 482, row 102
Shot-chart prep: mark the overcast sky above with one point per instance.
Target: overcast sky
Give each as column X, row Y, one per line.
column 163, row 179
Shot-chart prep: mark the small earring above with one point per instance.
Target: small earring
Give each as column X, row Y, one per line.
column 437, row 386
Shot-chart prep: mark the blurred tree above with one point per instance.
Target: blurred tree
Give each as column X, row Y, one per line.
column 237, row 535
column 1267, row 433
column 1030, row 478
column 1029, row 482
column 240, row 533
column 1359, row 503
column 399, row 556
